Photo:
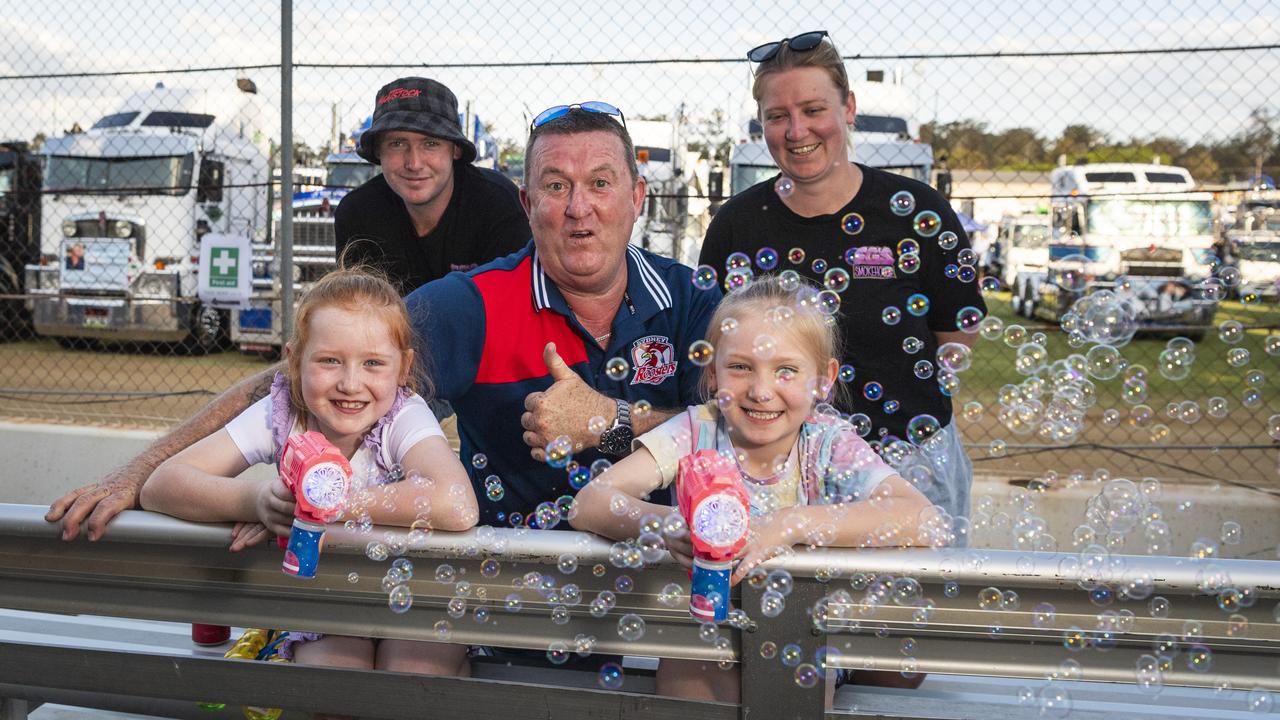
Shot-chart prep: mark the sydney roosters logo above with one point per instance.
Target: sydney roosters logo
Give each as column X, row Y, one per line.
column 398, row 94
column 653, row 358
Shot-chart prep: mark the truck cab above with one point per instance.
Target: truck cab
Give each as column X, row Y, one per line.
column 1147, row 224
column 1021, row 245
column 1253, row 243
column 125, row 205
column 19, row 231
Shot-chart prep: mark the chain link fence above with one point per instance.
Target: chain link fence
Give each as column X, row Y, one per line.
column 134, row 130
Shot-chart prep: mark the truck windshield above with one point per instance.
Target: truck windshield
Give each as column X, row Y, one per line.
column 1150, row 218
column 744, row 176
column 350, row 175
column 6, row 181
column 168, row 175
column 1260, row 251
column 1031, row 236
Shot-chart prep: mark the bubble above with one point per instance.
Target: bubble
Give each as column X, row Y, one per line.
column 852, row 223
column 909, row 263
column 479, row 461
column 968, row 319
column 846, row 373
column 729, row 326
column 772, row 603
column 951, row 270
column 704, row 277
column 1103, row 362
column 764, row 346
column 631, row 627
column 912, row 345
column 616, row 368
column 891, row 315
column 400, row 599
column 923, row 369
column 1258, row 701
column 1231, row 533
column 836, row 280
column 1199, row 658
column 807, row 676
column 872, row 391
column 558, row 652
column 737, row 261
column 997, row 448
column 1231, row 332
column 902, row 203
column 737, row 279
column 768, row 649
column 1074, row 639
column 827, row 302
column 1229, row 275
column 1238, row 357
column 1015, row 335
column 990, row 284
column 921, row 428
column 1044, row 615
column 1272, row 345
column 955, row 357
column 377, row 551
column 559, row 451
column 792, row 655
column 1159, row 607
column 610, row 677
column 1072, row 273
column 818, row 266
column 766, row 259
column 700, row 354
column 918, row 305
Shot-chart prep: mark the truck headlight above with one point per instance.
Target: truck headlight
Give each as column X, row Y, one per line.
column 122, row 228
column 69, row 228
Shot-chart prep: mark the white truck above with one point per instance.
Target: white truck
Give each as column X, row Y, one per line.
column 1145, row 222
column 662, row 159
column 1253, row 243
column 1021, row 245
column 125, row 205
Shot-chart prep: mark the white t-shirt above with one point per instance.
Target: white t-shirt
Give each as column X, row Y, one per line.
column 251, row 432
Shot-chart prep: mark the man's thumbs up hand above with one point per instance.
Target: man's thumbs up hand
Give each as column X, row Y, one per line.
column 565, row 408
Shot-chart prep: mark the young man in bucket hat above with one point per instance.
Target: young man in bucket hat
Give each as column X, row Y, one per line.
column 430, row 211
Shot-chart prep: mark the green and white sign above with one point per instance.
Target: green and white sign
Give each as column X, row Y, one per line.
column 226, row 272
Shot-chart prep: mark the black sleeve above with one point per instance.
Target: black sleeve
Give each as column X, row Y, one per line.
column 947, row 296
column 716, row 244
column 509, row 230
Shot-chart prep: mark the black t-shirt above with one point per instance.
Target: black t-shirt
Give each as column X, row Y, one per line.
column 758, row 218
column 484, row 221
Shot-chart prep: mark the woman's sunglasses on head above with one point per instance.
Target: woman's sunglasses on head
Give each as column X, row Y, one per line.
column 800, row 43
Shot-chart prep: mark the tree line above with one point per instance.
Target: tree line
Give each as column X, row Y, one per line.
column 972, row 145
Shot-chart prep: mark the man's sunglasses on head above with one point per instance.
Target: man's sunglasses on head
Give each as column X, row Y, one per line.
column 591, row 106
column 800, row 43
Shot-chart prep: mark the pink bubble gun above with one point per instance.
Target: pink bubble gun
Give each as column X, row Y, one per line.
column 320, row 479
column 716, row 508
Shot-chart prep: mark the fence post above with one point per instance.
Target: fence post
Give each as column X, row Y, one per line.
column 286, row 169
column 769, row 687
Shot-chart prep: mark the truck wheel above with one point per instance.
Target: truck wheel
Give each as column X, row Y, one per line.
column 208, row 331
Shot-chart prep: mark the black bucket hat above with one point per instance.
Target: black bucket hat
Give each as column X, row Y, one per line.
column 418, row 105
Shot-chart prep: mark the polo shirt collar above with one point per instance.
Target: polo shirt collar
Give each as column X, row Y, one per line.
column 646, row 289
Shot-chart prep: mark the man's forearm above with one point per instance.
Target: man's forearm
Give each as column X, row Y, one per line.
column 651, row 419
column 208, row 420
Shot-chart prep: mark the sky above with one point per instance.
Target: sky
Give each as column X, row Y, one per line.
column 1192, row 96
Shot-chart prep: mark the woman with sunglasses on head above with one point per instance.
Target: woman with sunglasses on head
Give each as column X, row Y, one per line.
column 889, row 246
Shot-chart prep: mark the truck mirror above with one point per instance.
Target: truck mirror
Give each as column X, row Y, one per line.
column 944, row 183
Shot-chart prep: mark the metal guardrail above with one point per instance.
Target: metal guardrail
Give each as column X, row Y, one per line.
column 159, row 568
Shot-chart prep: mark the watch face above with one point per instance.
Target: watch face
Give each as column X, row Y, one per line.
column 616, row 440
column 325, row 486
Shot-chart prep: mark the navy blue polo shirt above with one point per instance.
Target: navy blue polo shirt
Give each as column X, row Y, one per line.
column 482, row 335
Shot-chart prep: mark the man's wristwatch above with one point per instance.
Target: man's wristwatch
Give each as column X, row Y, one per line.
column 616, row 440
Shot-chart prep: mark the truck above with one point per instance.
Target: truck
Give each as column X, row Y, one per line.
column 125, row 204
column 1145, row 224
column 20, row 174
column 1021, row 245
column 662, row 160
column 1252, row 244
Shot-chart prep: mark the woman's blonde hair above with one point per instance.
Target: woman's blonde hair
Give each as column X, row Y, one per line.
column 354, row 289
column 813, row 330
column 824, row 56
